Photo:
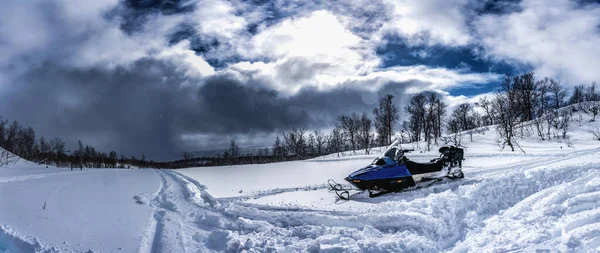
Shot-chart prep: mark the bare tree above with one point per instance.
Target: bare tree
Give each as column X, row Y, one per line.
column 440, row 109
column 295, row 141
column 453, row 125
column 335, row 141
column 578, row 95
column 418, row 113
column 319, row 141
column 487, row 106
column 564, row 119
column 591, row 93
column 3, row 132
column 596, row 133
column 525, row 91
column 350, row 125
column 507, row 113
column 112, row 159
column 386, row 116
column 186, row 156
column 463, row 115
column 58, row 150
column 558, row 93
column 311, row 143
column 44, row 150
column 542, row 105
column 365, row 136
column 234, row 149
column 594, row 109
column 278, row 148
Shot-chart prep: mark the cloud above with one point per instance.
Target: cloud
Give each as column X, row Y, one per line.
column 429, row 22
column 559, row 40
column 144, row 108
column 31, row 34
column 315, row 50
column 161, row 77
column 180, row 54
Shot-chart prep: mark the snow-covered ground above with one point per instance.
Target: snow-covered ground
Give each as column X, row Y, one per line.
column 546, row 199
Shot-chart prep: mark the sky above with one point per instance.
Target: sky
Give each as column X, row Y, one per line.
column 159, row 77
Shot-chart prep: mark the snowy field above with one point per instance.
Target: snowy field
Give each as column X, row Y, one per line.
column 546, row 200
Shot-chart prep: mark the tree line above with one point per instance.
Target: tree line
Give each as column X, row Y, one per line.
column 20, row 141
column 355, row 131
column 520, row 106
column 525, row 106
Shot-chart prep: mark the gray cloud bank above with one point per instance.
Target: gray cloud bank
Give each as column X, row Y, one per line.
column 161, row 77
column 147, row 107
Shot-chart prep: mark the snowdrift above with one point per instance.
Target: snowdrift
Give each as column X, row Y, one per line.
column 545, row 199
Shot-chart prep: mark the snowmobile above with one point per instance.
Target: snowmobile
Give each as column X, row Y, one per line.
column 392, row 171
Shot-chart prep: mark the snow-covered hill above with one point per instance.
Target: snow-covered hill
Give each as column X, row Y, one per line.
column 546, row 199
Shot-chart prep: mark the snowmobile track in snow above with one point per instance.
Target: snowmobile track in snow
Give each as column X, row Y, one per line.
column 432, row 219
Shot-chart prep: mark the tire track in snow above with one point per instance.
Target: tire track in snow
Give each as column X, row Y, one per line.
column 563, row 218
column 147, row 242
column 427, row 220
column 438, row 220
column 164, row 227
column 183, row 219
column 520, row 166
column 276, row 191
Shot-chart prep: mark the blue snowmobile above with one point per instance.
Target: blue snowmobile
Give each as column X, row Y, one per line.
column 392, row 172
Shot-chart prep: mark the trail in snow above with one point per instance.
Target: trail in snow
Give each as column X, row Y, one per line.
column 545, row 201
column 457, row 216
column 442, row 218
column 537, row 204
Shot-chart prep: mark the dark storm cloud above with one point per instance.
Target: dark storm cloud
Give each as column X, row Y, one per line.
column 347, row 99
column 141, row 109
column 228, row 106
column 147, row 107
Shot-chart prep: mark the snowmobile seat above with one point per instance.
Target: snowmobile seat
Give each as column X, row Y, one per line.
column 453, row 155
column 416, row 168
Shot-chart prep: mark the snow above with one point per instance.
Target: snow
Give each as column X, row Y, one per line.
column 84, row 210
column 546, row 199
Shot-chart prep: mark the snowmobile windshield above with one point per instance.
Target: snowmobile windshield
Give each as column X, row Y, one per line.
column 393, row 151
column 384, row 161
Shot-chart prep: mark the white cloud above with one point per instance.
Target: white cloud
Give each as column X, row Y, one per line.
column 82, row 37
column 180, row 54
column 217, row 19
column 438, row 79
column 455, row 101
column 308, row 50
column 421, row 54
column 559, row 40
column 428, row 22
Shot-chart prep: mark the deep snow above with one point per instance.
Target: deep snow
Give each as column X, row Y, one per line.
column 547, row 199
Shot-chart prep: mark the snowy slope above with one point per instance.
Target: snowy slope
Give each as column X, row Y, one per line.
column 547, row 199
